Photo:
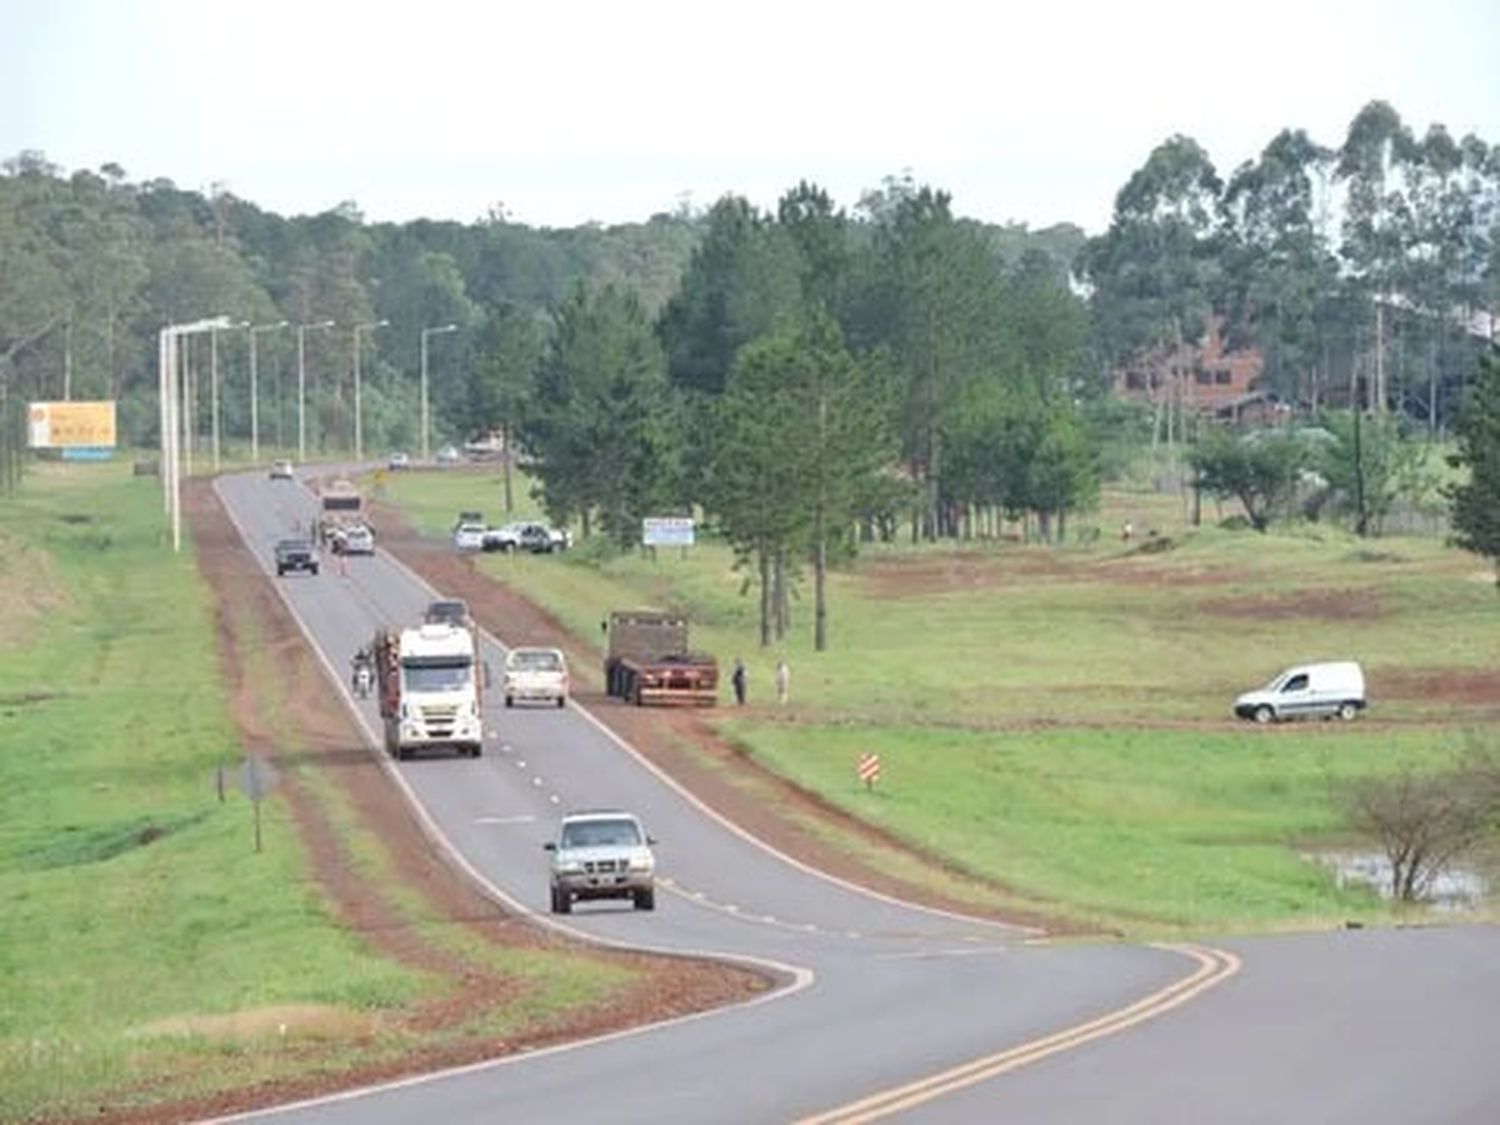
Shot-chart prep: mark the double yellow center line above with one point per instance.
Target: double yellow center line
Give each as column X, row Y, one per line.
column 1214, row 967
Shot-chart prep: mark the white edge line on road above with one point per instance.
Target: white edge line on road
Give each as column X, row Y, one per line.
column 800, row 977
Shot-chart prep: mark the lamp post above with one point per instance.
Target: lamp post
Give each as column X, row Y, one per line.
column 170, row 388
column 255, row 386
column 426, row 420
column 359, row 420
column 302, row 330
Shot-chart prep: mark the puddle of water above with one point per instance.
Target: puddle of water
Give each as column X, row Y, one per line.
column 1453, row 889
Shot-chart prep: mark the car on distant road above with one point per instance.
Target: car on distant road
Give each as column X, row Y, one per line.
column 447, row 611
column 295, row 555
column 602, row 853
column 356, row 539
column 537, row 538
column 399, row 461
column 536, row 674
column 281, row 470
column 469, row 536
column 449, row 455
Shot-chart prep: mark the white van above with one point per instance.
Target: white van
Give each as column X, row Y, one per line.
column 1307, row 691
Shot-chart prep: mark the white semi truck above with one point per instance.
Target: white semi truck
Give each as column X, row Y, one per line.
column 431, row 684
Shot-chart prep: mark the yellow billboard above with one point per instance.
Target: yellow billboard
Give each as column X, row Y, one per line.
column 71, row 425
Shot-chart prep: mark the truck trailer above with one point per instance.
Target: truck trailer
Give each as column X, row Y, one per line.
column 649, row 661
column 431, row 688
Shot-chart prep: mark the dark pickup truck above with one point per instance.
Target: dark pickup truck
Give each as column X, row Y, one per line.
column 295, row 554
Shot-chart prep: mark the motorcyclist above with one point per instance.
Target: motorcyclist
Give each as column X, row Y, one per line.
column 364, row 672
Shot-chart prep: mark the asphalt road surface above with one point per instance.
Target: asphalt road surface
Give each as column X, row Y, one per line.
column 889, row 1011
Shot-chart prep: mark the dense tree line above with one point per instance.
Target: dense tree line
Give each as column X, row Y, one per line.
column 1367, row 273
column 808, row 376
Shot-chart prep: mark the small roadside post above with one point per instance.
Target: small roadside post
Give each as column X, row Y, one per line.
column 257, row 778
column 869, row 770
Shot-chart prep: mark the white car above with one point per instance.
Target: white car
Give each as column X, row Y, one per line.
column 281, row 470
column 357, row 540
column 536, row 674
column 469, row 536
column 449, row 455
column 537, row 538
column 1307, row 691
column 400, row 461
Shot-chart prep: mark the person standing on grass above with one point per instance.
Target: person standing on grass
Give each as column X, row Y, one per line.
column 740, row 679
column 783, row 681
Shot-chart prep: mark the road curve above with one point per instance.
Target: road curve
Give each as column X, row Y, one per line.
column 889, row 1009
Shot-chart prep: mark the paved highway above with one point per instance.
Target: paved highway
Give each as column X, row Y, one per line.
column 889, row 1010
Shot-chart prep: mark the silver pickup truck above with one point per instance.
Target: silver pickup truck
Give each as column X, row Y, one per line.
column 602, row 853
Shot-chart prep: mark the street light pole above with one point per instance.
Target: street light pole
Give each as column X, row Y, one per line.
column 359, row 420
column 426, row 415
column 171, row 387
column 213, row 391
column 255, row 387
column 302, row 330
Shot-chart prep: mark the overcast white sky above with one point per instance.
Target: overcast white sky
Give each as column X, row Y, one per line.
column 610, row 111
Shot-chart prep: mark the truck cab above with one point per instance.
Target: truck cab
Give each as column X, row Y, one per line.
column 431, row 689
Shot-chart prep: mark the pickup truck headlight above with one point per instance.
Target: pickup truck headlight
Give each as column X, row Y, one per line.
column 641, row 863
column 569, row 867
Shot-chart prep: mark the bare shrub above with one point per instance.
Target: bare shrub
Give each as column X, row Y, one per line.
column 1425, row 821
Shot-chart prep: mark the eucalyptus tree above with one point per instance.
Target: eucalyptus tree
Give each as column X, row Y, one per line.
column 1280, row 272
column 1154, row 273
column 1372, row 166
column 603, row 424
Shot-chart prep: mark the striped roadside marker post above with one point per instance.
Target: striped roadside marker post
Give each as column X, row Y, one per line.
column 869, row 769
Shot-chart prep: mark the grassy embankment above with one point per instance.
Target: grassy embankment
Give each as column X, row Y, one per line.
column 1057, row 718
column 133, row 911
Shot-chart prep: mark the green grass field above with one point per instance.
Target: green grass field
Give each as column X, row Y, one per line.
column 1057, row 718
